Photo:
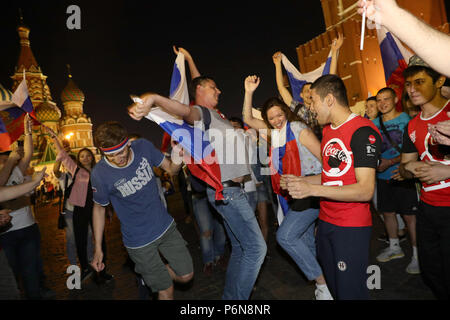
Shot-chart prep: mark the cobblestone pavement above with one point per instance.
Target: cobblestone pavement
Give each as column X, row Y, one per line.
column 279, row 279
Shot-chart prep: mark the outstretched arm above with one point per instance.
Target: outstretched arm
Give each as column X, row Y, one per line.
column 428, row 43
column 142, row 106
column 250, row 84
column 11, row 192
column 284, row 93
column 337, row 44
column 192, row 67
column 27, row 145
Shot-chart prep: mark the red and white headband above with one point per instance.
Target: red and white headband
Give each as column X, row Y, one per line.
column 114, row 149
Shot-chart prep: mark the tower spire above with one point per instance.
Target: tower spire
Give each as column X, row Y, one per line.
column 69, row 73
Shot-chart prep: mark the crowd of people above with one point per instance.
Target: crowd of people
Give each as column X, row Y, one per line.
column 330, row 170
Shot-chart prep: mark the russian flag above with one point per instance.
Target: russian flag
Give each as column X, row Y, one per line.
column 5, row 103
column 395, row 57
column 284, row 159
column 13, row 113
column 178, row 91
column 297, row 80
column 203, row 162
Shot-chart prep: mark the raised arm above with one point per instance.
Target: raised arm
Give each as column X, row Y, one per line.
column 337, row 44
column 62, row 155
column 250, row 85
column 24, row 163
column 144, row 104
column 192, row 67
column 428, row 43
column 284, row 93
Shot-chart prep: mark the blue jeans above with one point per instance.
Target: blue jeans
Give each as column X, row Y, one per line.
column 212, row 232
column 296, row 236
column 248, row 247
column 252, row 197
column 22, row 250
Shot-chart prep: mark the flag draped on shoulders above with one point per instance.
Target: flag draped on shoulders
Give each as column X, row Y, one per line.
column 203, row 162
column 284, row 159
column 297, row 80
column 395, row 57
column 13, row 108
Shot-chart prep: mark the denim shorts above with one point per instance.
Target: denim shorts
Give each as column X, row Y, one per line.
column 150, row 266
column 263, row 193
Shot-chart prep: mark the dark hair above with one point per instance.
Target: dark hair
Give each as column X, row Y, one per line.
column 372, row 98
column 238, row 120
column 308, row 83
column 93, row 162
column 331, row 83
column 109, row 134
column 275, row 102
column 385, row 89
column 413, row 70
column 134, row 136
column 197, row 81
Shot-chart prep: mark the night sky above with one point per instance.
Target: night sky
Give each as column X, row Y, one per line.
column 125, row 47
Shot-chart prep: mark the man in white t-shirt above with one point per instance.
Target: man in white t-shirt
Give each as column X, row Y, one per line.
column 21, row 242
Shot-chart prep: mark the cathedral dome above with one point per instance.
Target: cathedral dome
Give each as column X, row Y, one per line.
column 71, row 92
column 48, row 111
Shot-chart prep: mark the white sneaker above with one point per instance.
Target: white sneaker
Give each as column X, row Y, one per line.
column 322, row 293
column 413, row 266
column 390, row 253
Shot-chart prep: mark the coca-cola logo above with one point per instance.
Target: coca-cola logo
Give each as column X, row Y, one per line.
column 337, row 159
column 372, row 139
column 332, row 151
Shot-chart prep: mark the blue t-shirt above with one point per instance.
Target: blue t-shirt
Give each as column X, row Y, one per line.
column 395, row 128
column 133, row 192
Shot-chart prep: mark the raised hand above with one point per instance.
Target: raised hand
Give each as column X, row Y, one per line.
column 337, row 43
column 186, row 53
column 277, row 57
column 38, row 176
column 251, row 83
column 141, row 106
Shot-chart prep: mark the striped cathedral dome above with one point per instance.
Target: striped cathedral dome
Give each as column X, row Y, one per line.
column 71, row 92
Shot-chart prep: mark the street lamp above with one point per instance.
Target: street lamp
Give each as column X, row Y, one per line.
column 69, row 135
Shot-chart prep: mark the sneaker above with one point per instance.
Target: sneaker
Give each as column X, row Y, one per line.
column 384, row 238
column 390, row 253
column 322, row 293
column 413, row 266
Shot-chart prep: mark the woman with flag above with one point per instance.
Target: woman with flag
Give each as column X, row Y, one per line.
column 295, row 151
column 80, row 196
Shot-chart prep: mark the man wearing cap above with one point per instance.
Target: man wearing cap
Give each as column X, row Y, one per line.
column 124, row 178
column 423, row 85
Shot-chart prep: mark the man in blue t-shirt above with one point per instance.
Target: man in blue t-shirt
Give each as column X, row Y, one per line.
column 124, row 178
column 390, row 186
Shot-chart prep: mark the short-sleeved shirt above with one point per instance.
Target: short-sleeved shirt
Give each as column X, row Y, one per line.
column 133, row 192
column 224, row 139
column 22, row 217
column 307, row 116
column 354, row 144
column 395, row 128
column 417, row 139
